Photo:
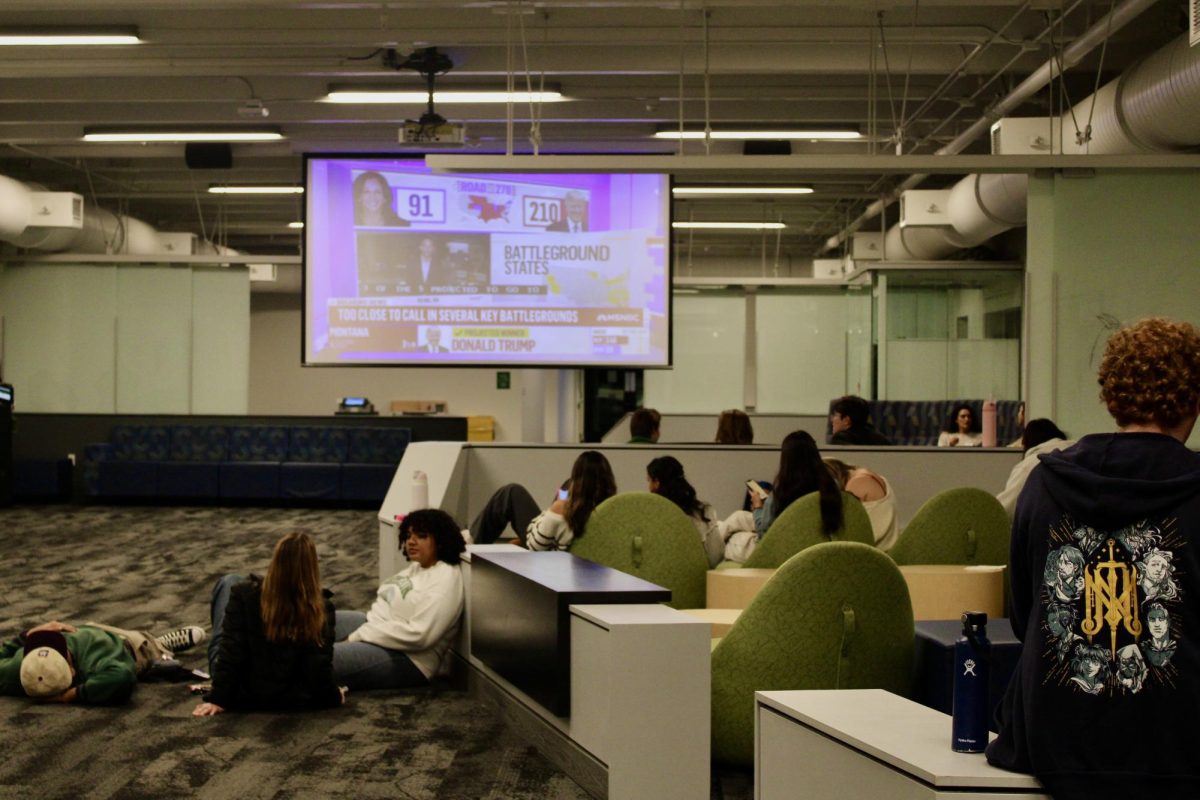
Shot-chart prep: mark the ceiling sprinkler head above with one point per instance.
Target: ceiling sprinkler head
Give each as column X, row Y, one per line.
column 253, row 109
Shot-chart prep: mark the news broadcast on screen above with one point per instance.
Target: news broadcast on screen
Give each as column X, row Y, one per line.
column 407, row 266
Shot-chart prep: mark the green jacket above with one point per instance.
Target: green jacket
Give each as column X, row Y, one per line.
column 104, row 667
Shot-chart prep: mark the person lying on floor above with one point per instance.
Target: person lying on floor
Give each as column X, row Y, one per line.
column 403, row 640
column 272, row 638
column 92, row 664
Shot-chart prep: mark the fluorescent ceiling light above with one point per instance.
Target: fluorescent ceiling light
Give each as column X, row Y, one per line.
column 446, row 96
column 739, row 226
column 250, row 189
column 182, row 136
column 296, row 225
column 758, row 134
column 39, row 37
column 722, row 191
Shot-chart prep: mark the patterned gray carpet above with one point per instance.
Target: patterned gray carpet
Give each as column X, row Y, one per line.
column 152, row 568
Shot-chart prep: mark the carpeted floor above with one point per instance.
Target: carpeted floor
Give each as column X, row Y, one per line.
column 152, row 568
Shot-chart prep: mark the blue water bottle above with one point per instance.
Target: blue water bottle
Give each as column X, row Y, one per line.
column 972, row 652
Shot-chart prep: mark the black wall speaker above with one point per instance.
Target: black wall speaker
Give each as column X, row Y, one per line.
column 766, row 147
column 208, row 155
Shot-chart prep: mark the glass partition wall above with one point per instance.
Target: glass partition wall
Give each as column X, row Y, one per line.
column 899, row 333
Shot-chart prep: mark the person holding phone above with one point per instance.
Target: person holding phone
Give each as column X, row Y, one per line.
column 554, row 528
column 801, row 472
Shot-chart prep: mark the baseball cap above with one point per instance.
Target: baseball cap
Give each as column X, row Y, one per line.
column 45, row 669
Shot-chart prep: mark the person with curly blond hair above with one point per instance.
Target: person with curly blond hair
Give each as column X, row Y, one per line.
column 1106, row 540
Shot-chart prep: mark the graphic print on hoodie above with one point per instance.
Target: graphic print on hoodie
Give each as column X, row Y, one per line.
column 1106, row 601
column 1111, row 606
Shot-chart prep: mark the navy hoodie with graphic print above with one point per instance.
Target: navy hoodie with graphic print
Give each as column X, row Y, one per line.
column 1105, row 568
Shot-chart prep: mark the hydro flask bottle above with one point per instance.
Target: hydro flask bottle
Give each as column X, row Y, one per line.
column 972, row 652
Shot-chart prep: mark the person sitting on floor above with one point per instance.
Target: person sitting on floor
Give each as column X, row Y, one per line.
column 272, row 638
column 1039, row 437
column 850, row 419
column 91, row 664
column 403, row 640
column 590, row 484
column 733, row 427
column 876, row 495
column 644, row 426
column 665, row 477
column 961, row 429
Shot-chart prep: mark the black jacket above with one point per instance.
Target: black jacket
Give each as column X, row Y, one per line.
column 1106, row 599
column 253, row 673
column 860, row 435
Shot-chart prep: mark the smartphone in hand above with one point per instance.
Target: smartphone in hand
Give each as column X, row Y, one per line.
column 757, row 490
column 563, row 494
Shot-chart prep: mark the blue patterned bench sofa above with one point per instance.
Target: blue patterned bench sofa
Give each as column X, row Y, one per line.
column 919, row 422
column 245, row 462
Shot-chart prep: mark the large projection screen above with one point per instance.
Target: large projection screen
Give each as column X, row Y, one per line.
column 403, row 266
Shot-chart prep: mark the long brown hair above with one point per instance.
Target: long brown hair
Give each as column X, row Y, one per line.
column 592, row 483
column 733, row 427
column 292, row 604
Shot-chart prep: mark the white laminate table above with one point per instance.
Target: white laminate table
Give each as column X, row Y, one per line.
column 868, row 743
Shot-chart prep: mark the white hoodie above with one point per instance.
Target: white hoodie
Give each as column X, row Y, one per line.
column 416, row 611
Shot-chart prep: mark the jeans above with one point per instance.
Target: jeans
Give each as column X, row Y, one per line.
column 360, row 665
column 511, row 504
column 220, row 599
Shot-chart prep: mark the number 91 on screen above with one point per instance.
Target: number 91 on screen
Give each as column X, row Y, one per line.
column 425, row 205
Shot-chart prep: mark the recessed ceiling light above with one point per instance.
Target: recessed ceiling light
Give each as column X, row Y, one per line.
column 736, row 226
column 760, row 134
column 55, row 36
column 250, row 189
column 724, row 191
column 296, row 225
column 182, row 136
column 446, row 96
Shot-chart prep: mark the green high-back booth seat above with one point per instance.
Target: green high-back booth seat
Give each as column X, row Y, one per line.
column 648, row 536
column 957, row 526
column 835, row 616
column 799, row 527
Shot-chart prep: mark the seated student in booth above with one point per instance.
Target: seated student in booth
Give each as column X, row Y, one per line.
column 590, row 484
column 733, row 427
column 1040, row 436
column 876, row 495
column 644, row 426
column 1020, row 440
column 801, row 472
column 404, row 638
column 962, row 429
column 1089, row 718
column 664, row 476
column 272, row 638
column 851, row 423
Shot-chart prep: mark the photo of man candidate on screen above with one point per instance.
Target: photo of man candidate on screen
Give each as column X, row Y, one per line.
column 575, row 214
column 433, row 341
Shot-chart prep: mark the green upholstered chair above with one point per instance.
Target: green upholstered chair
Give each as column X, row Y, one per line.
column 957, row 526
column 799, row 526
column 648, row 536
column 835, row 616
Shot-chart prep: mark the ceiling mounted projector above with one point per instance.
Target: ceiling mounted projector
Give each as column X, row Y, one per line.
column 431, row 129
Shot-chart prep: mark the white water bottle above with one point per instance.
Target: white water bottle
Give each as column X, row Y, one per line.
column 420, row 491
